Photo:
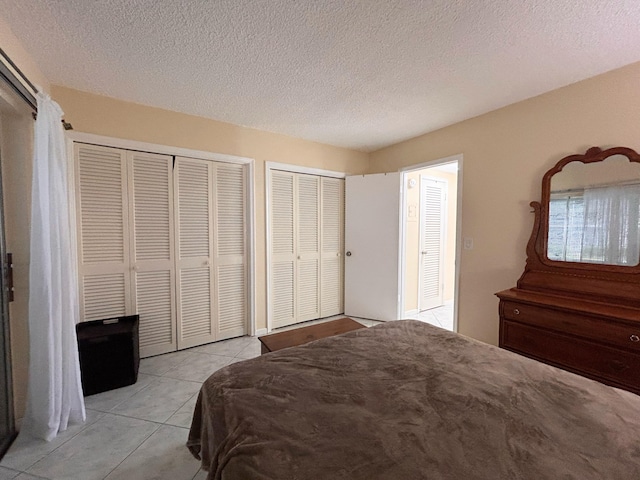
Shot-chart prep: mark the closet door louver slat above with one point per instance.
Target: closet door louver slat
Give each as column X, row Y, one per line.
column 103, row 296
column 102, row 216
column 153, row 268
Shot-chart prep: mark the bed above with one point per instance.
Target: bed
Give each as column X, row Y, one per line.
column 405, row 400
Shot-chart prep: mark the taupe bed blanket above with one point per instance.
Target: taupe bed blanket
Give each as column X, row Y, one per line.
column 405, row 400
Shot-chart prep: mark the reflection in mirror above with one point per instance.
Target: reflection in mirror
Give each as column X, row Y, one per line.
column 594, row 213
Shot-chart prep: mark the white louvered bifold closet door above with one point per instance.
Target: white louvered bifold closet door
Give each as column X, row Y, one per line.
column 230, row 260
column 103, row 232
column 306, row 243
column 283, row 249
column 193, row 183
column 332, row 230
column 152, row 263
column 308, row 247
column 210, row 202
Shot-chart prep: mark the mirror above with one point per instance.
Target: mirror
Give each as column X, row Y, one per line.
column 594, row 212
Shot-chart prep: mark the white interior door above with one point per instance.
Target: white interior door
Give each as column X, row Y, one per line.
column 372, row 239
column 283, row 249
column 193, row 184
column 432, row 223
column 308, row 247
column 151, row 246
column 230, row 260
column 103, row 232
column 332, row 228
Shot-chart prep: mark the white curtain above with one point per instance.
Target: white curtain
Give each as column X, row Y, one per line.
column 55, row 397
column 610, row 233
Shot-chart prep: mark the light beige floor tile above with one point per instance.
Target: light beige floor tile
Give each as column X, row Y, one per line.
column 227, row 348
column 238, row 359
column 27, row 450
column 163, row 456
column 182, row 418
column 7, row 474
column 96, row 451
column 159, row 400
column 198, row 367
column 251, row 351
column 105, row 401
column 161, row 364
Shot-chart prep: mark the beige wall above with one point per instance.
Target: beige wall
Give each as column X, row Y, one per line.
column 506, row 152
column 16, row 128
column 412, row 237
column 114, row 118
column 18, row 55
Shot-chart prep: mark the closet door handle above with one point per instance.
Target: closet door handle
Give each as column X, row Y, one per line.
column 135, row 268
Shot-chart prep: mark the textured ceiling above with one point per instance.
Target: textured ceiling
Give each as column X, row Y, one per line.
column 355, row 73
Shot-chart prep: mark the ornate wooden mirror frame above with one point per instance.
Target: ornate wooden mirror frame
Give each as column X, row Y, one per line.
column 587, row 280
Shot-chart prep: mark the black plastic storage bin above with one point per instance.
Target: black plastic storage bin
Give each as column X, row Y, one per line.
column 109, row 353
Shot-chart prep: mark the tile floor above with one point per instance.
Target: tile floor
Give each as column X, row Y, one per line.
column 136, row 432
column 440, row 316
column 139, row 432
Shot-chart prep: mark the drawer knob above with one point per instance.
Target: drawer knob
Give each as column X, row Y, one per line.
column 634, row 338
column 516, row 311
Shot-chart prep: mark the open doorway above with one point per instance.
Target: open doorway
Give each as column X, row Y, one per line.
column 430, row 242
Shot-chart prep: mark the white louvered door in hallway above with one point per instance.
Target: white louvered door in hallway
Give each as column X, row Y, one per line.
column 432, row 229
column 306, row 242
column 164, row 239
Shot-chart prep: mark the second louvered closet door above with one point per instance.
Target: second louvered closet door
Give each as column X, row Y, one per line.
column 152, row 263
column 306, row 243
column 211, row 259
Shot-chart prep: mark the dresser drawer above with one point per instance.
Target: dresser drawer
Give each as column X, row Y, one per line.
column 600, row 362
column 585, row 326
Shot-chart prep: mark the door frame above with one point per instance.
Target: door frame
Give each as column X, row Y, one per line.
column 286, row 167
column 403, row 228
column 90, row 138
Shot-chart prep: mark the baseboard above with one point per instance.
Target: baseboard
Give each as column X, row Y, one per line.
column 261, row 331
column 415, row 311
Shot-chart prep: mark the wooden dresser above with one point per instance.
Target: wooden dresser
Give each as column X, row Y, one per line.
column 597, row 340
column 581, row 316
